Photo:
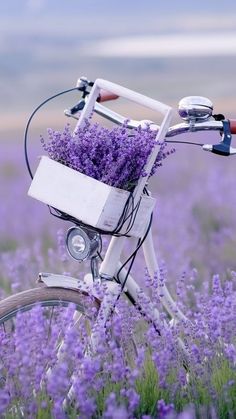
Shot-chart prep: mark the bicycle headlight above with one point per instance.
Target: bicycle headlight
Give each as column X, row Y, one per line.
column 83, row 243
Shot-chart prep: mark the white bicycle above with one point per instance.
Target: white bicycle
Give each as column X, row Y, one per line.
column 55, row 291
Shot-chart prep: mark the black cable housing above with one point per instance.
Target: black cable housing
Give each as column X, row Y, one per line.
column 29, row 122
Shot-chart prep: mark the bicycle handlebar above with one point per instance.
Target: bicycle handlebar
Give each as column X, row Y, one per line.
column 223, row 148
column 172, row 131
column 197, row 114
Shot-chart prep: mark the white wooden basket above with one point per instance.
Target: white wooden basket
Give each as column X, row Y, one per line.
column 91, row 201
column 87, row 199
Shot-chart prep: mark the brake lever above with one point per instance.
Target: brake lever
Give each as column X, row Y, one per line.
column 76, row 108
column 218, row 149
column 84, row 85
column 224, row 147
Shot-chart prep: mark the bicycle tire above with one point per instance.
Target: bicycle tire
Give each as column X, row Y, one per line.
column 25, row 300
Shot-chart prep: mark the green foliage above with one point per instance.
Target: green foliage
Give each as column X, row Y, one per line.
column 147, row 386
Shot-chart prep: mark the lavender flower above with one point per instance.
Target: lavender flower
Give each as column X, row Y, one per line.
column 116, row 157
column 148, row 367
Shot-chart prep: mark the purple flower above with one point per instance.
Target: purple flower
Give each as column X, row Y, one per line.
column 116, row 157
column 164, row 410
column 114, row 410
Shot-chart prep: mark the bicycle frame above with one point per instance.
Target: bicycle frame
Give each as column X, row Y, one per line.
column 111, row 263
column 113, row 289
column 111, row 267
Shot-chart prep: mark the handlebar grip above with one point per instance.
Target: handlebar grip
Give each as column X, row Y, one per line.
column 232, row 123
column 105, row 96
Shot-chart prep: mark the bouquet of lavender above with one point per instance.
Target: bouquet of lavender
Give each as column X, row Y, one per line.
column 116, row 157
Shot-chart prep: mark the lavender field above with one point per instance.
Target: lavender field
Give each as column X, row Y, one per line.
column 135, row 372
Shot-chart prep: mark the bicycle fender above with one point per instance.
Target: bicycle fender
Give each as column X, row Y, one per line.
column 86, row 285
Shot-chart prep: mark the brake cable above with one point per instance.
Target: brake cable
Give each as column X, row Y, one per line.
column 29, row 122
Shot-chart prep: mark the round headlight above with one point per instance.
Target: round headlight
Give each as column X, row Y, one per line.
column 83, row 243
column 78, row 244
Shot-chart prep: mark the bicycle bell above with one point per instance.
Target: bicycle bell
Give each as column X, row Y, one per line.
column 193, row 108
column 82, row 243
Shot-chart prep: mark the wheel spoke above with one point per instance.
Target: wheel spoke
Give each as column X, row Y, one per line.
column 50, row 322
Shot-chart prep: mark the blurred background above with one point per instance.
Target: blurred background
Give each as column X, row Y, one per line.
column 166, row 50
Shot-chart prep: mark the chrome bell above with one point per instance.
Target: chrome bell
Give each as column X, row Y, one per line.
column 192, row 108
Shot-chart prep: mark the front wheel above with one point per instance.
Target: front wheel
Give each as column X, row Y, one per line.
column 38, row 327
